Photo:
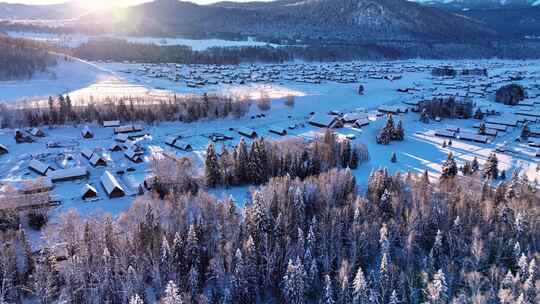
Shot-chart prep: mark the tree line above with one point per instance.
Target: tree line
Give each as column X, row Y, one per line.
column 266, row 159
column 62, row 110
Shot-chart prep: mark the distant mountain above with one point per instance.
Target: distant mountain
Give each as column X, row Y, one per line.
column 479, row 4
column 296, row 19
column 516, row 18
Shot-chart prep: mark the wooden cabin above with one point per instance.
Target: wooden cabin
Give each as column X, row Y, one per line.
column 111, row 185
column 39, row 167
column 68, row 174
column 3, row 149
column 88, row 192
column 87, row 133
column 98, row 160
column 247, row 132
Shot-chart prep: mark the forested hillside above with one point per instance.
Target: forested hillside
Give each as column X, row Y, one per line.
column 21, row 59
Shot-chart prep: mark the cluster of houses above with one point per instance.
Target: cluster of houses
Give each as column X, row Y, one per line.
column 197, row 75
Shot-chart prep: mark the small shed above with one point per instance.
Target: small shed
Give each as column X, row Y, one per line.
column 362, row 122
column 115, row 147
column 326, row 122
column 36, row 132
column 88, row 192
column 39, row 167
column 278, row 130
column 111, row 123
column 134, row 156
column 445, row 133
column 98, row 160
column 247, row 132
column 111, row 185
column 86, row 132
column 473, row 137
column 183, row 146
column 3, row 149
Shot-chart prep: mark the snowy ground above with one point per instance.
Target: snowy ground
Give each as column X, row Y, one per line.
column 75, row 40
column 420, row 150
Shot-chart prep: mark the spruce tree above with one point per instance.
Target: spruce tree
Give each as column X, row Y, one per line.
column 399, row 132
column 491, row 170
column 294, row 283
column 212, row 170
column 525, row 132
column 449, row 167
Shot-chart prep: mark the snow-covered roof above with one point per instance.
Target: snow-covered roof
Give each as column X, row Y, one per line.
column 39, row 166
column 111, row 123
column 121, row 137
column 3, row 149
column 36, row 132
column 324, row 121
column 502, row 128
column 97, row 160
column 473, row 137
column 445, row 133
column 110, row 183
column 65, row 174
column 86, row 132
column 352, row 117
column 502, row 121
column 88, row 189
column 86, row 152
column 247, row 132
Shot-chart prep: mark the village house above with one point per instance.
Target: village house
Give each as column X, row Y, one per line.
column 247, row 132
column 330, row 122
column 88, row 192
column 115, row 147
column 98, row 160
column 39, row 167
column 37, row 132
column 111, row 185
column 68, row 174
column 111, row 124
column 86, row 132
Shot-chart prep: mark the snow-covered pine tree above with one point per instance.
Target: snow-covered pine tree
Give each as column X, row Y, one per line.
column 328, row 292
column 399, row 132
column 171, row 294
column 437, row 289
column 491, row 170
column 212, row 172
column 294, row 283
column 449, row 167
column 136, row 299
column 360, row 288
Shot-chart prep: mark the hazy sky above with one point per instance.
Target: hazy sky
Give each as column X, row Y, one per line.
column 109, row 1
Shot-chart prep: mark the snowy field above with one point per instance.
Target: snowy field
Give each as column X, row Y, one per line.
column 75, row 40
column 319, row 88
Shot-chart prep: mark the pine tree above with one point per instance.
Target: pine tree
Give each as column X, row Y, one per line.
column 294, row 287
column 399, row 132
column 437, row 290
column 394, row 299
column 241, row 162
column 172, row 294
column 475, row 165
column 345, row 153
column 449, row 167
column 136, row 300
column 353, row 163
column 360, row 287
column 328, row 295
column 482, row 128
column 212, row 170
column 491, row 170
column 525, row 132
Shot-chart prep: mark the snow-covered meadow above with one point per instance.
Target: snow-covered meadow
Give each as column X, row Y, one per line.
column 318, row 88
